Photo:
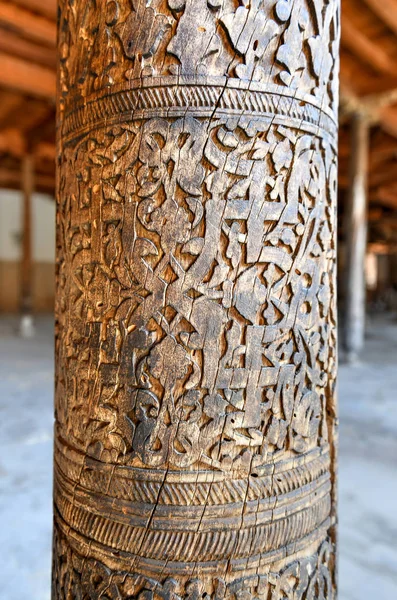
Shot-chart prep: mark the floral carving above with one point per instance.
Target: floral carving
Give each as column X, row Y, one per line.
column 294, row 44
column 253, row 34
column 303, row 579
column 196, row 344
column 141, row 32
column 182, row 287
column 196, row 40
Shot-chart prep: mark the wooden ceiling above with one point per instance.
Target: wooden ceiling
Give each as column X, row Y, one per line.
column 28, row 82
column 27, row 90
column 368, row 80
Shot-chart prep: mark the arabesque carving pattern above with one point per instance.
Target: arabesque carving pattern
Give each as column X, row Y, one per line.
column 306, row 578
column 196, row 345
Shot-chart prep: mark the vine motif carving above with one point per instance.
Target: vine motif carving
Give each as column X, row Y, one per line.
column 213, row 309
column 196, row 320
column 196, row 41
column 79, row 579
column 292, row 44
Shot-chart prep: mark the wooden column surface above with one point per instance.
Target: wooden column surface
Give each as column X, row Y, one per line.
column 196, row 340
column 356, row 232
column 27, row 180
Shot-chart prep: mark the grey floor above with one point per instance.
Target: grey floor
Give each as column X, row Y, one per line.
column 367, row 465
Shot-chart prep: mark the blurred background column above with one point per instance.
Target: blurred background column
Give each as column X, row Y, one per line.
column 356, row 238
column 27, row 180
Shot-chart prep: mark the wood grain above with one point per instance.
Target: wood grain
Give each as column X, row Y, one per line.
column 196, row 323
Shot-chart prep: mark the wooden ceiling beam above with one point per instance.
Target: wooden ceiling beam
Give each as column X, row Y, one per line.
column 378, row 109
column 386, row 174
column 9, row 101
column 388, row 120
column 12, row 179
column 383, row 153
column 361, row 78
column 388, row 221
column 12, row 142
column 26, row 77
column 369, row 52
column 375, row 213
column 30, row 121
column 45, row 151
column 25, row 23
column 371, row 86
column 382, row 247
column 386, row 195
column 43, row 130
column 48, row 8
column 386, row 10
column 13, row 44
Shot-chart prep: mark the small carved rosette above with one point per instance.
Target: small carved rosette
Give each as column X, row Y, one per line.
column 196, row 346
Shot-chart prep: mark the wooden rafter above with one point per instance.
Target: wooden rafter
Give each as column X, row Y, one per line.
column 383, row 153
column 387, row 173
column 26, row 77
column 27, row 24
column 386, row 195
column 348, row 75
column 11, row 43
column 365, row 85
column 369, row 52
column 386, row 10
column 378, row 109
column 45, row 151
column 47, row 8
column 12, row 142
column 32, row 119
column 9, row 102
column 11, row 178
column 388, row 120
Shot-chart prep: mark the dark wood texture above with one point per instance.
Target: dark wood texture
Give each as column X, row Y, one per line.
column 26, row 257
column 196, row 342
column 356, row 236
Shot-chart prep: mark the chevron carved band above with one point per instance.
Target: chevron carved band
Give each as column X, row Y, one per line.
column 199, row 97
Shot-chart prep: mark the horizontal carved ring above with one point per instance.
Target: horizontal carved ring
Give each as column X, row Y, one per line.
column 172, row 97
column 117, row 558
column 191, row 546
column 184, row 488
column 216, row 533
column 177, row 517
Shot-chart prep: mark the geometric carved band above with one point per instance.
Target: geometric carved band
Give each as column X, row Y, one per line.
column 160, row 527
column 190, row 488
column 306, row 578
column 199, row 97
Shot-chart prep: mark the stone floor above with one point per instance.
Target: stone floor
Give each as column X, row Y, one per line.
column 367, row 482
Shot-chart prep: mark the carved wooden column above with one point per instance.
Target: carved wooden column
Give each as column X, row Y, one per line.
column 26, row 327
column 196, row 345
column 356, row 230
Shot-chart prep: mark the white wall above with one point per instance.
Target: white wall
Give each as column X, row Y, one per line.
column 43, row 226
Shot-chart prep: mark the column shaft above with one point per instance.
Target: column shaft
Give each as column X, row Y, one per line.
column 26, row 269
column 196, row 324
column 356, row 230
